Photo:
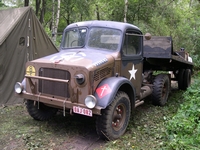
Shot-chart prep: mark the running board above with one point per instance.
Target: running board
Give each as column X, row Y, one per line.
column 138, row 103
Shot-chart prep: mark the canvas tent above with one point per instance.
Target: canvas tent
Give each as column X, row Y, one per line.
column 22, row 38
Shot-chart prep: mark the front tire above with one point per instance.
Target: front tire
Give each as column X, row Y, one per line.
column 161, row 89
column 43, row 113
column 114, row 119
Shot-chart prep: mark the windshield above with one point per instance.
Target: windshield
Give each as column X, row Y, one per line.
column 74, row 38
column 99, row 38
column 104, row 38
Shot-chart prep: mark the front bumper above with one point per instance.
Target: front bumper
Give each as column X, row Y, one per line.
column 56, row 102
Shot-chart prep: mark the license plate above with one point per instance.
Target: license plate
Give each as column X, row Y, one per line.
column 82, row 111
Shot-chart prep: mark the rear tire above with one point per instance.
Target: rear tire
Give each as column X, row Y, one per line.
column 114, row 119
column 161, row 89
column 181, row 73
column 43, row 113
column 187, row 79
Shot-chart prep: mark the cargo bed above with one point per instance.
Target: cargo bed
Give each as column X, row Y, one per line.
column 159, row 55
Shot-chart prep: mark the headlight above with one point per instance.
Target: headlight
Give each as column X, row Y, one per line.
column 18, row 87
column 80, row 78
column 90, row 101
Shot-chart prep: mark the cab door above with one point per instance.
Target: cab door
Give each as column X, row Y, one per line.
column 132, row 60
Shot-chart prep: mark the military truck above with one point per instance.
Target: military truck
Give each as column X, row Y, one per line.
column 104, row 69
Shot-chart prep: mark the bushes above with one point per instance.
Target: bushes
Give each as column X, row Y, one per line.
column 183, row 130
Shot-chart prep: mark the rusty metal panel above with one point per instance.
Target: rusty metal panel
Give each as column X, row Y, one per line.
column 158, row 47
column 53, row 87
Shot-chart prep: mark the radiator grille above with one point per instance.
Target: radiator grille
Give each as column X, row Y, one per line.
column 53, row 87
column 102, row 73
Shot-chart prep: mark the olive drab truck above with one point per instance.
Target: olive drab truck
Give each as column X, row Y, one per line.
column 104, row 69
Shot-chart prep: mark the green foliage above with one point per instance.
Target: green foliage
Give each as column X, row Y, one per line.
column 1, row 4
column 183, row 129
column 196, row 61
column 179, row 19
column 59, row 37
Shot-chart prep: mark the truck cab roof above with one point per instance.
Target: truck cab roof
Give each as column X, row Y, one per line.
column 100, row 23
column 101, row 35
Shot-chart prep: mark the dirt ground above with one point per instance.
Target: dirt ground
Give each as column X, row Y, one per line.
column 18, row 131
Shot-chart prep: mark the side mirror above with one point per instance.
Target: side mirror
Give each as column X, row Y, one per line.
column 147, row 36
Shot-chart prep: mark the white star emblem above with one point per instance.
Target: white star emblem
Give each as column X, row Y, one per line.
column 132, row 72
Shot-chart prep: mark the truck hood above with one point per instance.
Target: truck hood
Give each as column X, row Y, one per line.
column 86, row 58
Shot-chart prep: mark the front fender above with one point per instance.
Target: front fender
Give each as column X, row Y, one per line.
column 108, row 88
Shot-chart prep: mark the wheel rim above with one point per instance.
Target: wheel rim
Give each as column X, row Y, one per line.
column 118, row 117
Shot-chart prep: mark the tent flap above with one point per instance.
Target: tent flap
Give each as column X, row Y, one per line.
column 22, row 39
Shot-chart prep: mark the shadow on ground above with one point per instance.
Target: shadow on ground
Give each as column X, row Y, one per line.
column 82, row 131
column 20, row 132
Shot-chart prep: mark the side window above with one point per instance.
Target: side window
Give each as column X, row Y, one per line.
column 132, row 43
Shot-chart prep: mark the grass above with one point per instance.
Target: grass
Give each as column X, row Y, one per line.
column 183, row 129
column 19, row 131
column 146, row 128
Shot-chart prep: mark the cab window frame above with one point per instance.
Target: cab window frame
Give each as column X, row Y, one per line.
column 132, row 43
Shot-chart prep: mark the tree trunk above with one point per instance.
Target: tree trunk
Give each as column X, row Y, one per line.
column 97, row 12
column 26, row 2
column 57, row 20
column 125, row 10
column 42, row 13
column 37, row 7
column 53, row 21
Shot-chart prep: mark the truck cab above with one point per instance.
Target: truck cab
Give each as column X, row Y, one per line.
column 98, row 72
